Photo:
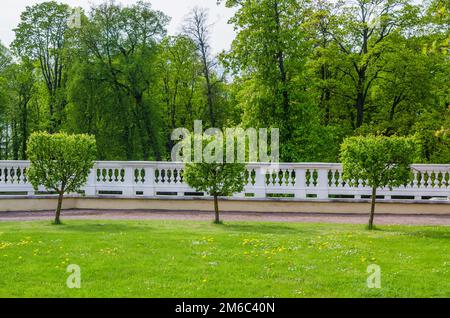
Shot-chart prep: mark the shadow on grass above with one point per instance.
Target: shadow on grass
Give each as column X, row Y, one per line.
column 263, row 228
column 432, row 234
column 102, row 228
column 440, row 233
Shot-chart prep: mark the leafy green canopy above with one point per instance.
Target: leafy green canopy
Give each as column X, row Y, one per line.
column 381, row 161
column 60, row 162
column 215, row 178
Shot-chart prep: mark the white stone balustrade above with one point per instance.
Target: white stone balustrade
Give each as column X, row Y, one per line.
column 291, row 180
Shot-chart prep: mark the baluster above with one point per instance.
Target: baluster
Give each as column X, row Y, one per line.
column 439, row 178
column 247, row 177
column 163, row 176
column 447, row 180
column 332, row 178
column 361, row 183
column 415, row 181
column 290, row 177
column 275, row 178
column 436, row 180
column 12, row 174
column 157, row 175
column 429, row 181
column 308, row 178
column 117, row 176
column 143, row 175
column 283, row 177
column 175, row 176
column 110, row 175
column 253, row 177
column 136, row 175
column 341, row 182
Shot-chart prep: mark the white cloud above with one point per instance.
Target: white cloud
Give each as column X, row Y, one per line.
column 221, row 35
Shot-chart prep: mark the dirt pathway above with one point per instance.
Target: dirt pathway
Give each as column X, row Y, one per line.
column 229, row 216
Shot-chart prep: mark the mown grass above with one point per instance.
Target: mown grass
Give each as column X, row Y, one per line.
column 237, row 259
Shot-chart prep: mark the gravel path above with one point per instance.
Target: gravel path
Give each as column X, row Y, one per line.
column 229, row 216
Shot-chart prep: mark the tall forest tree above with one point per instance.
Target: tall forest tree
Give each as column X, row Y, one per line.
column 318, row 70
column 21, row 86
column 361, row 32
column 122, row 45
column 181, row 83
column 197, row 28
column 268, row 58
column 42, row 35
column 5, row 61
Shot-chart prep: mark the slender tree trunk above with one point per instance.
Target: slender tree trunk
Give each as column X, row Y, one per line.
column 216, row 210
column 7, row 143
column 360, row 101
column 143, row 127
column 325, row 95
column 1, row 142
column 15, row 141
column 209, row 93
column 281, row 68
column 58, row 208
column 372, row 209
column 147, row 129
column 396, row 101
column 52, row 127
column 24, row 129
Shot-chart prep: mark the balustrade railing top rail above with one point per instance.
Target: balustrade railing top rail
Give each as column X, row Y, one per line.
column 290, row 180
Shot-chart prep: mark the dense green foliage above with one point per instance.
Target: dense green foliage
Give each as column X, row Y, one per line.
column 60, row 162
column 318, row 70
column 216, row 179
column 183, row 259
column 380, row 161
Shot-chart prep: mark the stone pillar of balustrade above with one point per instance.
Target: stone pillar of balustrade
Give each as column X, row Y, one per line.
column 149, row 184
column 128, row 184
column 300, row 184
column 89, row 188
column 260, row 182
column 322, row 183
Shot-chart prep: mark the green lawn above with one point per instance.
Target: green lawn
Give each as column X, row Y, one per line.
column 238, row 259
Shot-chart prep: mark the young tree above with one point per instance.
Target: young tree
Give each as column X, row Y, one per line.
column 60, row 162
column 216, row 179
column 213, row 174
column 380, row 161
